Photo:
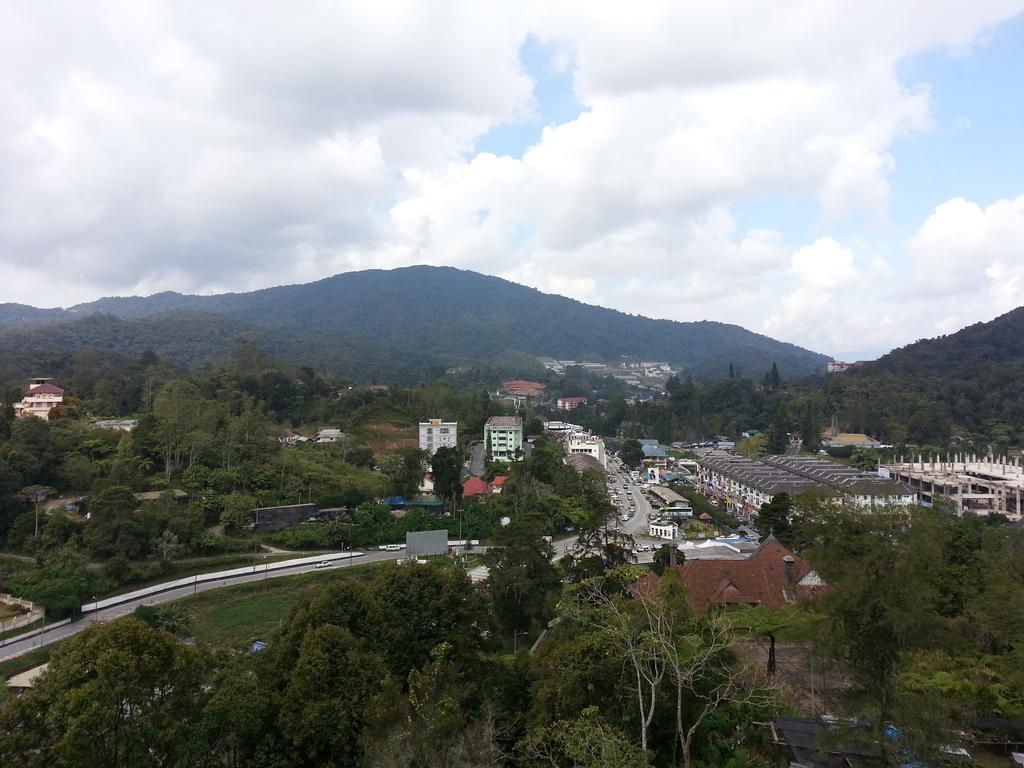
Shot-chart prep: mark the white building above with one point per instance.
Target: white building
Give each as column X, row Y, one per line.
column 503, row 436
column 436, row 433
column 664, row 529
column 329, row 435
column 122, row 425
column 42, row 397
column 581, row 442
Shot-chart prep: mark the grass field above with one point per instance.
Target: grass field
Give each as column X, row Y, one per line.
column 235, row 615
column 228, row 616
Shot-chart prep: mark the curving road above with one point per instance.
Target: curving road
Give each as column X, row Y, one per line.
column 106, row 614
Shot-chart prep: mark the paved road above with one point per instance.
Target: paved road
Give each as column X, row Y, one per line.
column 115, row 611
column 477, row 457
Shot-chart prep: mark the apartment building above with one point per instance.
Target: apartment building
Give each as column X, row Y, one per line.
column 503, row 436
column 436, row 433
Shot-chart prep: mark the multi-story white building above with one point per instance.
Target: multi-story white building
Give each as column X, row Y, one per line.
column 40, row 400
column 581, row 442
column 503, row 436
column 436, row 433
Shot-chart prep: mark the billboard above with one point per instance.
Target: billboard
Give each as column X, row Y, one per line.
column 420, row 543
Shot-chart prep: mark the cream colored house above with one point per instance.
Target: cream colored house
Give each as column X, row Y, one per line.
column 42, row 397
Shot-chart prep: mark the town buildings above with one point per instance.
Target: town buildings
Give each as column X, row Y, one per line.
column 742, row 485
column 436, row 433
column 591, row 445
column 973, row 485
column 40, row 400
column 503, row 437
column 569, row 403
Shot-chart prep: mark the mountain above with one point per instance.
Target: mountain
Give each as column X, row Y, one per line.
column 414, row 321
column 960, row 354
column 966, row 383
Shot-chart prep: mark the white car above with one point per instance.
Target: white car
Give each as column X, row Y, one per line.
column 325, row 564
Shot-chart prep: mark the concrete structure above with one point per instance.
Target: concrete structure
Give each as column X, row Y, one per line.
column 122, row 425
column 568, row 403
column 974, row 485
column 503, row 436
column 329, row 435
column 664, row 529
column 436, row 433
column 742, row 485
column 590, row 445
column 40, row 399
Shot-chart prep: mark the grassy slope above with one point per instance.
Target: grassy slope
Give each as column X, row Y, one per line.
column 234, row 615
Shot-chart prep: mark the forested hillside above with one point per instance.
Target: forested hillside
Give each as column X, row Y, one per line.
column 423, row 317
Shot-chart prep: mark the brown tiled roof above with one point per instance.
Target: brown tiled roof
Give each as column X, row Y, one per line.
column 761, row 579
column 45, row 389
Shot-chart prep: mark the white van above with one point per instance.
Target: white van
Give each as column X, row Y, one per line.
column 392, row 547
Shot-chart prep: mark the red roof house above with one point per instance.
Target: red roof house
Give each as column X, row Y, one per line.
column 497, row 483
column 474, row 486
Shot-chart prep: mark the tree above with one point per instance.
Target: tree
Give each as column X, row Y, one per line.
column 446, row 467
column 405, row 468
column 522, row 580
column 236, row 510
column 36, row 494
column 61, row 585
column 329, row 695
column 777, row 436
column 632, row 453
column 864, row 459
column 584, row 742
column 773, row 518
column 119, row 695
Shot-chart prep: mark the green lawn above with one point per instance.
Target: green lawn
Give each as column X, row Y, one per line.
column 234, row 615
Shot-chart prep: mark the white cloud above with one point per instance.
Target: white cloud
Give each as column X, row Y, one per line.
column 149, row 146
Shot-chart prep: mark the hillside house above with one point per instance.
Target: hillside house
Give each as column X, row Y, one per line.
column 40, row 400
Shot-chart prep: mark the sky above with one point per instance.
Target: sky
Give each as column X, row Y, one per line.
column 844, row 175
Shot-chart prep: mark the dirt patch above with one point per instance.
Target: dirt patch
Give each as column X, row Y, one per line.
column 800, row 677
column 383, row 436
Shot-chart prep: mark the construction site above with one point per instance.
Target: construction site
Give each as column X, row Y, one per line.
column 974, row 485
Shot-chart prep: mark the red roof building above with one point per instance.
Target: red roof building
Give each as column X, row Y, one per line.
column 569, row 403
column 474, row 486
column 522, row 388
column 772, row 576
column 497, row 483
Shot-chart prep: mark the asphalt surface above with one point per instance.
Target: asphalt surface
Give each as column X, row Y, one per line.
column 477, row 458
column 115, row 611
